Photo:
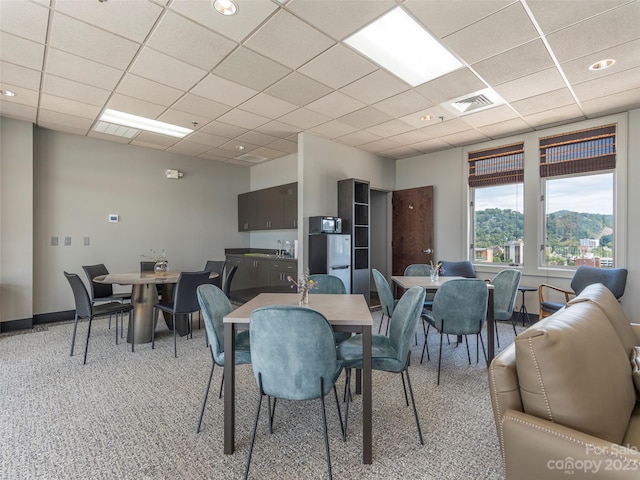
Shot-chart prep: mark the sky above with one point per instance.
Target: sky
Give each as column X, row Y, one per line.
column 584, row 194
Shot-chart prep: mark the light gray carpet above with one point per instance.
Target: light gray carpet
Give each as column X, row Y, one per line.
column 133, row 415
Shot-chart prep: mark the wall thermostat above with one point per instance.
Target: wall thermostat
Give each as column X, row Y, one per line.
column 113, row 218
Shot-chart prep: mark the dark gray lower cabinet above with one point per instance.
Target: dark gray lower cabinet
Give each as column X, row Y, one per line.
column 261, row 274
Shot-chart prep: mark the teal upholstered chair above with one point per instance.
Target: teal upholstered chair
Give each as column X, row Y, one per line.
column 385, row 294
column 392, row 353
column 330, row 284
column 459, row 308
column 294, row 358
column 421, row 270
column 214, row 306
column 463, row 268
column 505, row 289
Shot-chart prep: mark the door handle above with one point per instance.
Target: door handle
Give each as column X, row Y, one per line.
column 427, row 251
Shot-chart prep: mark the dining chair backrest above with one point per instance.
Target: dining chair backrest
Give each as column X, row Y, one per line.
column 185, row 299
column 214, row 305
column 384, row 293
column 460, row 306
column 417, row 270
column 147, row 266
column 615, row 279
column 291, row 349
column 98, row 290
column 216, row 266
column 404, row 321
column 227, row 281
column 326, row 283
column 505, row 289
column 80, row 295
column 462, row 268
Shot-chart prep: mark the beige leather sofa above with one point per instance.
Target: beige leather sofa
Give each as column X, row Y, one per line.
column 563, row 394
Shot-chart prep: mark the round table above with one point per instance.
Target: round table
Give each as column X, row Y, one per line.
column 144, row 296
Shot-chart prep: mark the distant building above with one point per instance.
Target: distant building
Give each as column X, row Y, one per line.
column 484, row 255
column 588, row 261
column 513, row 251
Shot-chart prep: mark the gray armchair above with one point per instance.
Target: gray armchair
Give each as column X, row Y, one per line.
column 459, row 308
column 392, row 353
column 215, row 305
column 385, row 294
column 615, row 279
column 332, row 285
column 505, row 288
column 293, row 356
column 462, row 268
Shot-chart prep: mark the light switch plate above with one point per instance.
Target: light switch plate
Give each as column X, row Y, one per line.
column 54, row 241
column 87, row 241
column 67, row 241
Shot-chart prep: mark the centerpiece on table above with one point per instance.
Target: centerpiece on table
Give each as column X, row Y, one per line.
column 436, row 270
column 303, row 285
column 161, row 265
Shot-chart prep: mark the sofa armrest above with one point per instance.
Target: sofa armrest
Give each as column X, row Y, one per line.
column 535, row 448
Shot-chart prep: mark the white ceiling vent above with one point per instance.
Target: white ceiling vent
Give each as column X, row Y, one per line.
column 474, row 102
column 247, row 157
column 114, row 129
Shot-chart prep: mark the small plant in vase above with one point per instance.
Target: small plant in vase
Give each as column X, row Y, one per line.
column 436, row 270
column 303, row 285
column 160, row 259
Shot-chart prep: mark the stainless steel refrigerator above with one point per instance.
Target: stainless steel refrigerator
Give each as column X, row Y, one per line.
column 331, row 253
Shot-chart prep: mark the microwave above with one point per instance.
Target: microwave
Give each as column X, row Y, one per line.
column 325, row 225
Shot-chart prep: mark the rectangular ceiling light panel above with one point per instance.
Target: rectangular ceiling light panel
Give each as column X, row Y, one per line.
column 399, row 44
column 142, row 123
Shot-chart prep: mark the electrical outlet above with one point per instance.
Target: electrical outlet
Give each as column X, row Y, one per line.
column 54, row 241
column 67, row 241
column 87, row 241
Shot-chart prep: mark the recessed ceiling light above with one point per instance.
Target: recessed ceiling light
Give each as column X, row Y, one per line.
column 426, row 118
column 134, row 121
column 602, row 64
column 225, row 7
column 239, row 147
column 398, row 43
column 7, row 93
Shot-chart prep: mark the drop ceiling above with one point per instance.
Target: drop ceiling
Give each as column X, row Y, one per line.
column 277, row 68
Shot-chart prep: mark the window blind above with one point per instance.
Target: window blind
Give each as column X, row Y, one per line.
column 497, row 166
column 582, row 151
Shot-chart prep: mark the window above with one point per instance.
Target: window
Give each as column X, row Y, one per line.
column 578, row 174
column 496, row 179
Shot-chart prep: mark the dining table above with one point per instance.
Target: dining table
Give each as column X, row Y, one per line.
column 144, row 295
column 345, row 313
column 432, row 285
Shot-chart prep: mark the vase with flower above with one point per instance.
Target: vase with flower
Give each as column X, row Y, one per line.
column 436, row 271
column 303, row 285
column 161, row 266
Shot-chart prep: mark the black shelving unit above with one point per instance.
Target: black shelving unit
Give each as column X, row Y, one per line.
column 353, row 208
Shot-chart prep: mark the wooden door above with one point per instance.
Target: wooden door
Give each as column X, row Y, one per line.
column 412, row 237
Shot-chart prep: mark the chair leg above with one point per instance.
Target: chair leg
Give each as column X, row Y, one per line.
column 73, row 337
column 272, row 413
column 153, row 329
column 255, row 427
column 483, row 350
column 116, row 326
column 175, row 343
column 86, row 347
column 335, row 393
column 404, row 387
column 221, row 384
column 326, row 432
column 347, row 388
column 425, row 346
column 466, row 340
column 132, row 321
column 497, row 334
column 206, row 394
column 415, row 410
column 439, row 358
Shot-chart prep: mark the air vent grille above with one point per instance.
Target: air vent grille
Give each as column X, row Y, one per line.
column 114, row 129
column 474, row 102
column 247, row 157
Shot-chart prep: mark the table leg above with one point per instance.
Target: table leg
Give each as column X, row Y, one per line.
column 143, row 298
column 491, row 330
column 366, row 397
column 229, row 389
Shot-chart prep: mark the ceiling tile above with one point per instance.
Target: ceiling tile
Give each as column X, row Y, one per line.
column 263, row 71
column 71, row 107
column 615, row 103
column 413, row 136
column 498, row 32
column 257, row 138
column 155, row 146
column 614, row 83
column 24, row 19
column 233, row 146
column 467, row 137
column 154, row 139
column 338, row 67
column 186, row 147
column 235, row 27
column 444, row 17
column 26, row 113
column 201, row 107
column 18, row 75
column 450, row 127
column 380, row 145
column 365, row 117
column 269, row 153
column 61, row 127
column 284, row 146
column 514, row 126
column 597, row 33
column 267, row 106
column 81, row 70
column 626, row 55
column 399, row 152
column 358, row 138
column 207, row 139
column 167, row 70
column 304, row 118
column 61, row 87
column 288, row 40
column 89, row 42
column 335, row 104
column 107, row 137
column 219, row 154
column 198, row 46
column 77, row 123
column 392, row 127
column 182, row 119
column 222, row 129
column 515, row 63
column 552, row 16
column 556, row 116
column 338, row 18
column 333, row 129
column 223, row 91
column 148, row 90
column 403, row 104
column 135, row 106
column 452, row 85
column 298, row 89
column 416, row 119
column 489, row 116
column 243, row 119
column 535, row 84
column 24, row 96
column 430, row 146
column 132, row 20
column 375, row 87
column 20, row 51
column 546, row 101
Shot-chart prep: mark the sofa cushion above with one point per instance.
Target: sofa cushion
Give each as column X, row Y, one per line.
column 635, row 368
column 574, row 371
column 607, row 302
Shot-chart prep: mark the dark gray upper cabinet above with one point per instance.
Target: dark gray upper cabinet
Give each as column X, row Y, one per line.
column 274, row 208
